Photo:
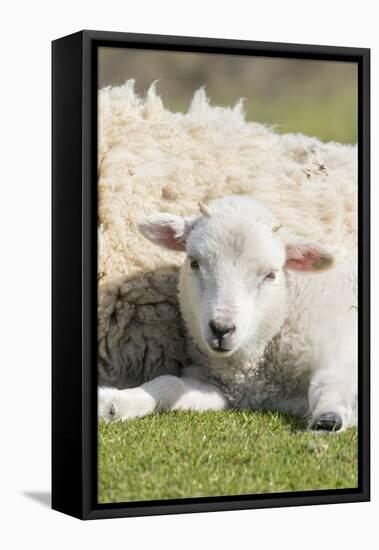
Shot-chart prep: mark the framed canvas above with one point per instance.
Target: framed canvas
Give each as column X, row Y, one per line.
column 210, row 275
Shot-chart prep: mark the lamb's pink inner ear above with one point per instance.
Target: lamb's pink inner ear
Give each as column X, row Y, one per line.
column 166, row 236
column 167, row 230
column 308, row 257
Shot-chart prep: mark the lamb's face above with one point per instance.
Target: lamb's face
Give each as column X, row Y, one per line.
column 233, row 280
column 234, row 275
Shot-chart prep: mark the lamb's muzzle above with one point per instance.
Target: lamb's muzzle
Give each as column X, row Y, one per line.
column 221, row 333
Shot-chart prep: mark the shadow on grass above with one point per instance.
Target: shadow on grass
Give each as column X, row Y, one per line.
column 293, row 424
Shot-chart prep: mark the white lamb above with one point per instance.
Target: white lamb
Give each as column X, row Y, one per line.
column 271, row 320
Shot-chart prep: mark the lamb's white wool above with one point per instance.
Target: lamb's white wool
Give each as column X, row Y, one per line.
column 151, row 161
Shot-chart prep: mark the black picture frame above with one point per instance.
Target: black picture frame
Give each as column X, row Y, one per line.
column 74, row 272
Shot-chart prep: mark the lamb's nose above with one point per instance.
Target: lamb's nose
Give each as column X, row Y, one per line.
column 220, row 330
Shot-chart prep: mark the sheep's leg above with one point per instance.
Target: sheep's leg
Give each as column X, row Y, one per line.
column 163, row 393
column 333, row 399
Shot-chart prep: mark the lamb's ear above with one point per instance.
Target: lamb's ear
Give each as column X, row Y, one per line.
column 167, row 230
column 308, row 257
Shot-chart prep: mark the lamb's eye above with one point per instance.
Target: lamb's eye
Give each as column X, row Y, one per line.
column 194, row 264
column 270, row 276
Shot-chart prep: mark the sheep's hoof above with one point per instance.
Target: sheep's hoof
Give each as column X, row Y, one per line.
column 327, row 422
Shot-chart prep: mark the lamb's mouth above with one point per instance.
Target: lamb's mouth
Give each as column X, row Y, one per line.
column 221, row 351
column 218, row 349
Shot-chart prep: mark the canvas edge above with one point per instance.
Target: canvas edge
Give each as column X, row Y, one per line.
column 82, row 401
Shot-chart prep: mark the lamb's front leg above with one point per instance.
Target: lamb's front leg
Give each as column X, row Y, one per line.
column 333, row 399
column 163, row 393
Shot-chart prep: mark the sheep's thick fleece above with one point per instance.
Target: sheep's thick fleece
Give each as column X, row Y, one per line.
column 152, row 160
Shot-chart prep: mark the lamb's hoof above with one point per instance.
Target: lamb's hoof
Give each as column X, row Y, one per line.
column 327, row 422
column 107, row 404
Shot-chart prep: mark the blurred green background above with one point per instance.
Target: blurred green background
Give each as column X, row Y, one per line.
column 317, row 98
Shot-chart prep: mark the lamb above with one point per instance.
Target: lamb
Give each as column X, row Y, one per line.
column 270, row 320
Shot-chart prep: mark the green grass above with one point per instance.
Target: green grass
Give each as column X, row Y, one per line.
column 179, row 455
column 330, row 119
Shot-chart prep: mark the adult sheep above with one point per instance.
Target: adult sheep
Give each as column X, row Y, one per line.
column 153, row 160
